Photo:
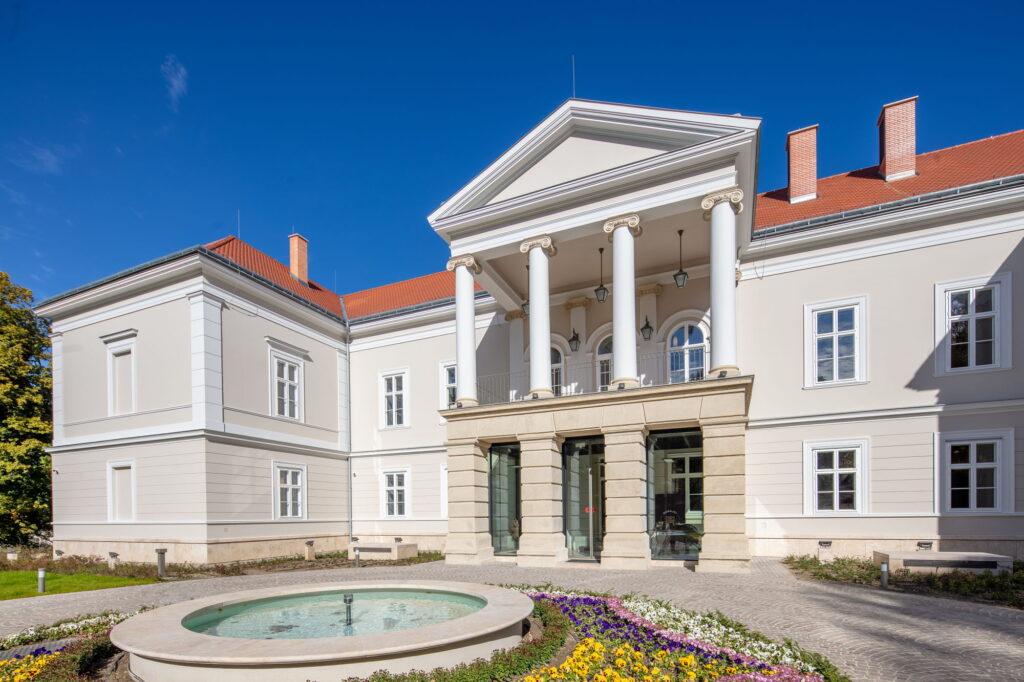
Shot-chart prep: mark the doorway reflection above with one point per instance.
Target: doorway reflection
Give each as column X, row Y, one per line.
column 583, row 495
column 675, row 493
column 504, row 499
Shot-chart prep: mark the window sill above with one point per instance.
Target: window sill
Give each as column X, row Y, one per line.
column 290, row 519
column 836, row 384
column 974, row 512
column 838, row 515
column 972, row 370
column 394, row 428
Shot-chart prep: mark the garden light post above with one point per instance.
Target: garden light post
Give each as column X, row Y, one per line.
column 161, row 563
column 41, row 587
column 885, row 575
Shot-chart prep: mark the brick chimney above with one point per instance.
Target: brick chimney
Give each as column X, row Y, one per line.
column 299, row 260
column 802, row 146
column 897, row 140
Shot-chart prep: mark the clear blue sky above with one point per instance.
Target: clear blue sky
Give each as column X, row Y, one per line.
column 129, row 130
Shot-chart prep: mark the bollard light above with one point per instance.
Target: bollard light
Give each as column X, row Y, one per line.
column 42, row 580
column 885, row 575
column 357, row 557
column 161, row 563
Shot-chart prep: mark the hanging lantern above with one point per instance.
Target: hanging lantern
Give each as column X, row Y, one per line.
column 601, row 291
column 680, row 277
column 647, row 330
column 574, row 342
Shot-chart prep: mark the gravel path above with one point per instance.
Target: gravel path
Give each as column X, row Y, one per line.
column 869, row 634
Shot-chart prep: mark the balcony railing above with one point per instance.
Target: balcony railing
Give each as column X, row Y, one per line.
column 577, row 378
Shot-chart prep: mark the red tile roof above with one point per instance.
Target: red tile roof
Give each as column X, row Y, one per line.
column 435, row 287
column 274, row 270
column 965, row 164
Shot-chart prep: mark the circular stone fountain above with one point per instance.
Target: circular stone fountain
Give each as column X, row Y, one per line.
column 305, row 633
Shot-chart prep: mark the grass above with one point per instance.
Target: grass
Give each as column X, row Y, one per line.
column 1006, row 589
column 19, row 584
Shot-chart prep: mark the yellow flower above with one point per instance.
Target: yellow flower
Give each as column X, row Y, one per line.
column 620, row 662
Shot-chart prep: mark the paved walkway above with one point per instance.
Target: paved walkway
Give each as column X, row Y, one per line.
column 870, row 635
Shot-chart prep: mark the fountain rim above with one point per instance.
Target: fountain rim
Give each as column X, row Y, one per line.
column 161, row 635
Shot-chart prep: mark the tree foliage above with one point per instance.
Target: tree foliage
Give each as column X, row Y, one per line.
column 25, row 417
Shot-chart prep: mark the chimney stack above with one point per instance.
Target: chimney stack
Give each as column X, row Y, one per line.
column 298, row 257
column 897, row 144
column 802, row 146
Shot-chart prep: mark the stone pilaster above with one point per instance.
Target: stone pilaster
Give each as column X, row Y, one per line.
column 626, row 542
column 469, row 536
column 724, row 547
column 543, row 540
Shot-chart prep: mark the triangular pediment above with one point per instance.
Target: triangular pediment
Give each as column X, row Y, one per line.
column 584, row 140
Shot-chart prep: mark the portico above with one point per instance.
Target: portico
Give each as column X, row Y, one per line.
column 621, row 374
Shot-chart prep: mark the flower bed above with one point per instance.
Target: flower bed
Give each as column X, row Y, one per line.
column 28, row 666
column 620, row 645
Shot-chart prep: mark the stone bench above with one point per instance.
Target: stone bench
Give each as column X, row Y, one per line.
column 384, row 551
column 945, row 562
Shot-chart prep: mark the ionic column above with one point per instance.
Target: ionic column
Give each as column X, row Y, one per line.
column 465, row 329
column 721, row 208
column 623, row 230
column 540, row 250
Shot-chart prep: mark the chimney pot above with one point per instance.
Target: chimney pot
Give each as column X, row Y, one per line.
column 897, row 140
column 299, row 259
column 802, row 146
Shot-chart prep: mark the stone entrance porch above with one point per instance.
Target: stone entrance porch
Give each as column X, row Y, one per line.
column 624, row 418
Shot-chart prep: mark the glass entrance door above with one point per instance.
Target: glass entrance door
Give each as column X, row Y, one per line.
column 675, row 498
column 583, row 496
column 504, row 498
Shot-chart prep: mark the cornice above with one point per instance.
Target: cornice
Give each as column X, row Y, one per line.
column 577, row 302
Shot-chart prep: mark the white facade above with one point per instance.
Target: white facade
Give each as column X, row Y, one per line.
column 872, row 398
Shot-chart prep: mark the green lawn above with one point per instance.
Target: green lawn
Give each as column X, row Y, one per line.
column 17, row 584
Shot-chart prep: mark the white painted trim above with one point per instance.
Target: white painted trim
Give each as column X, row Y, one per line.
column 863, row 491
column 399, row 451
column 382, row 488
column 442, row 386
column 286, row 347
column 892, row 413
column 121, row 464
column 803, row 197
column 207, row 348
column 397, row 519
column 193, row 522
column 277, row 436
column 879, row 515
column 1005, row 468
column 860, row 303
column 121, row 343
column 275, row 486
column 57, row 369
column 158, row 410
column 344, row 403
column 406, row 392
column 483, row 321
column 1003, row 333
column 273, row 355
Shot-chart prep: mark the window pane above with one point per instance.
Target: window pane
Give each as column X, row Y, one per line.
column 450, row 373
column 846, row 345
column 983, row 328
column 280, row 407
column 556, row 357
column 824, row 325
column 960, row 478
column 826, row 482
column 847, row 368
column 845, row 319
column 696, row 465
column 983, row 353
column 847, row 459
column 293, row 372
column 958, row 331
column 295, row 509
column 825, row 502
column 398, row 382
column 826, row 459
column 825, row 370
column 960, row 499
column 400, row 480
column 983, row 301
column 958, row 301
column 280, row 389
column 825, row 347
column 846, row 501
column 959, row 355
column 847, row 482
column 282, row 494
column 985, row 477
column 280, row 369
column 283, row 509
column 696, row 503
column 960, row 453
column 605, row 347
column 293, row 392
column 295, row 477
column 282, row 476
column 985, row 452
column 696, row 335
column 985, row 499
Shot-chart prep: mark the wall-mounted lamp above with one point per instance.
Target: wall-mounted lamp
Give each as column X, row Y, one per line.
column 647, row 330
column 601, row 291
column 680, row 277
column 574, row 342
column 526, row 307
column 924, row 545
column 825, row 544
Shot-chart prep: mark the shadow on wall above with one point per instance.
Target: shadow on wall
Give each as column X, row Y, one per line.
column 980, row 469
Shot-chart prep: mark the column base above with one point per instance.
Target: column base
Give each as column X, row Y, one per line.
column 478, row 559
column 467, row 402
column 730, row 371
column 541, row 549
column 541, row 393
column 627, row 382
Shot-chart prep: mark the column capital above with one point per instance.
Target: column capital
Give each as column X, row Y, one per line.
column 543, row 241
column 468, row 260
column 516, row 314
column 733, row 195
column 578, row 302
column 649, row 289
column 632, row 221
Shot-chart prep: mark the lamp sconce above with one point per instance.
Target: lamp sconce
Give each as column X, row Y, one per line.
column 647, row 330
column 824, row 544
column 925, row 545
column 398, row 540
column 622, row 387
column 526, row 307
column 574, row 342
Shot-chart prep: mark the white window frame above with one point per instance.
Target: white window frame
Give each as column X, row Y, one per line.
column 685, row 349
column 1002, row 302
column 275, row 354
column 384, row 495
column 860, row 373
column 121, row 464
column 303, row 490
column 120, row 343
column 863, row 470
column 382, row 393
column 602, row 357
column 558, row 370
column 1005, row 471
column 442, row 380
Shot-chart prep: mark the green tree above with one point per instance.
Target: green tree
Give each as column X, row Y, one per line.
column 25, row 417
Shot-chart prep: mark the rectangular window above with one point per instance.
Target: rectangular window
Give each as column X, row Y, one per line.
column 290, row 482
column 120, row 491
column 121, row 380
column 287, row 386
column 450, row 385
column 973, row 324
column 977, row 471
column 834, row 347
column 395, row 492
column 394, row 387
column 836, row 477
column 604, row 374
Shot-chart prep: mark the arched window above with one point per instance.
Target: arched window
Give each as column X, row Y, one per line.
column 687, row 354
column 604, row 363
column 557, row 367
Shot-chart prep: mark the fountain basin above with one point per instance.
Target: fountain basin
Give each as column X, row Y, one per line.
column 299, row 633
